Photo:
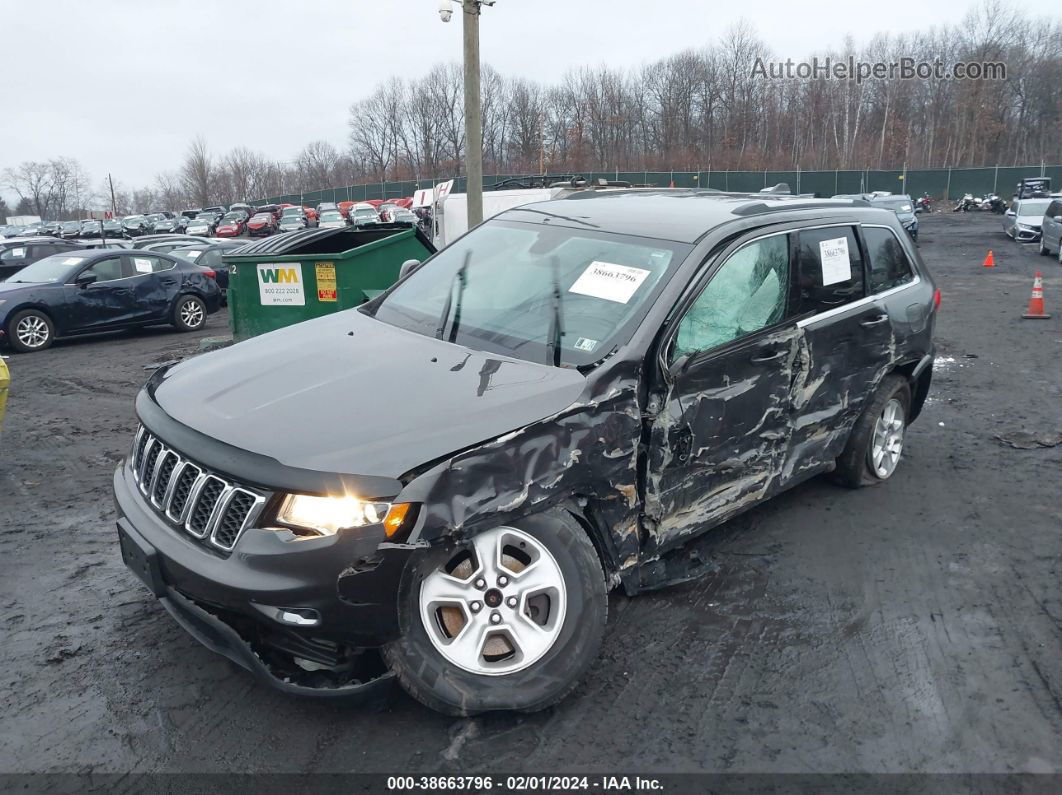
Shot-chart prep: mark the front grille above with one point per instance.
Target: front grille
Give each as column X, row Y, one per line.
column 206, row 506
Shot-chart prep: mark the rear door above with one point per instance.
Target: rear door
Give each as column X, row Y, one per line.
column 848, row 343
column 720, row 435
column 1051, row 231
column 154, row 284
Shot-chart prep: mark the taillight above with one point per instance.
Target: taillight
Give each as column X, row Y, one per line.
column 214, row 274
column 936, row 298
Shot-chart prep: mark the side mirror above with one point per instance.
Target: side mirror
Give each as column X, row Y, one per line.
column 408, row 267
column 1010, row 213
column 1058, row 219
column 85, row 279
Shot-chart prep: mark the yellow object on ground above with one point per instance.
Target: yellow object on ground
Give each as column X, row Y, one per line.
column 5, row 381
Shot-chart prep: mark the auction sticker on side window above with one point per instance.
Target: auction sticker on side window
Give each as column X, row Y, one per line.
column 836, row 266
column 280, row 284
column 142, row 265
column 611, row 282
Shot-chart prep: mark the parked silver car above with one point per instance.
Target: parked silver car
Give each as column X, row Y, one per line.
column 1051, row 229
column 1022, row 221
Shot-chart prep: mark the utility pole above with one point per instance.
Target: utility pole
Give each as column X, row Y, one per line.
column 473, row 113
column 114, row 205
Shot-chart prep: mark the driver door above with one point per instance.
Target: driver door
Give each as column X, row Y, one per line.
column 720, row 438
column 107, row 302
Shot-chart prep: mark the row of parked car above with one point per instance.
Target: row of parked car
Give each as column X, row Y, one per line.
column 238, row 220
column 50, row 287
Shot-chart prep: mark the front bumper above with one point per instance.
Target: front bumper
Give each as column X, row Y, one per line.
column 1026, row 235
column 231, row 603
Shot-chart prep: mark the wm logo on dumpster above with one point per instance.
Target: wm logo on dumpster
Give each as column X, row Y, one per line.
column 278, row 275
column 280, row 284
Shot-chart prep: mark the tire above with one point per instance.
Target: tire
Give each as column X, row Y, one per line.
column 573, row 622
column 1043, row 248
column 856, row 465
column 30, row 331
column 190, row 313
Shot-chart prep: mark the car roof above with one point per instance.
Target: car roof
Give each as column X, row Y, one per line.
column 682, row 215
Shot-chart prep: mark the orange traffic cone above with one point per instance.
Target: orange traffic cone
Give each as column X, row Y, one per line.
column 1036, row 302
column 990, row 261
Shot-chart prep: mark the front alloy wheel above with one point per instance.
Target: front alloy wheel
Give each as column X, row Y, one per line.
column 497, row 608
column 509, row 619
column 30, row 331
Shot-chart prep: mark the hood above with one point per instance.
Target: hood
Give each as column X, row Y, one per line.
column 7, row 288
column 351, row 395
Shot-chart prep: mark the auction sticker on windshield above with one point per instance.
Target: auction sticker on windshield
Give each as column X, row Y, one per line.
column 280, row 284
column 610, row 282
column 836, row 266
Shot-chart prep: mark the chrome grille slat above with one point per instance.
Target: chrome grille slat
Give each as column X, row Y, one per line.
column 206, row 506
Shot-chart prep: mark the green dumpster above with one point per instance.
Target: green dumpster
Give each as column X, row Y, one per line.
column 293, row 277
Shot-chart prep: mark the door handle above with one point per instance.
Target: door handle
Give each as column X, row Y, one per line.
column 768, row 357
column 877, row 320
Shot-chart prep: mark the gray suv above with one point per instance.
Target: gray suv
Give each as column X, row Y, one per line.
column 456, row 472
column 1051, row 229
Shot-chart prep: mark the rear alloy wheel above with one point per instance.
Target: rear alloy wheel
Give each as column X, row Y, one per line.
column 509, row 621
column 189, row 314
column 30, row 330
column 876, row 441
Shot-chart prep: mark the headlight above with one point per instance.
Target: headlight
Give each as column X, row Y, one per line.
column 329, row 515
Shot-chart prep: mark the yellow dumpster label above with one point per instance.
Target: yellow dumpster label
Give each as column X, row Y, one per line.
column 326, row 281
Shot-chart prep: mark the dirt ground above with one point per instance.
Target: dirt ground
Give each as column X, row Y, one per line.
column 909, row 627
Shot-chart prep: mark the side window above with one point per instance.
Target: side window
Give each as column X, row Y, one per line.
column 749, row 292
column 1054, row 210
column 889, row 266
column 107, row 270
column 830, row 269
column 146, row 263
column 210, row 259
column 13, row 254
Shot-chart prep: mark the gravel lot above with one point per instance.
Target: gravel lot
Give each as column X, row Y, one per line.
column 912, row 627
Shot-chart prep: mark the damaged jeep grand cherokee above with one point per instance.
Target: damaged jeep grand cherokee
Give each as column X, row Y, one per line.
column 457, row 472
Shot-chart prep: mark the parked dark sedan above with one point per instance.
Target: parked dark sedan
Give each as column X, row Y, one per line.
column 89, row 228
column 69, row 229
column 82, row 292
column 136, row 225
column 208, row 255
column 171, row 225
column 113, row 228
column 17, row 253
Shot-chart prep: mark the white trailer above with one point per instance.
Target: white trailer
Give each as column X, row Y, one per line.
column 23, row 220
column 450, row 211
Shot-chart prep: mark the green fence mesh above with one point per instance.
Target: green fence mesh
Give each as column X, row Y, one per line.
column 940, row 183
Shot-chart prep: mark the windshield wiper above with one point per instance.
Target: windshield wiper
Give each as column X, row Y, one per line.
column 556, row 324
column 461, row 278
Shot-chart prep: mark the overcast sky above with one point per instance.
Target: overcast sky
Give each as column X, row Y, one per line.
column 124, row 85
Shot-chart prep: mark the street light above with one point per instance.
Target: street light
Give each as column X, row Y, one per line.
column 473, row 109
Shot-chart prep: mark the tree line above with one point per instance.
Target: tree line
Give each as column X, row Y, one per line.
column 699, row 109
